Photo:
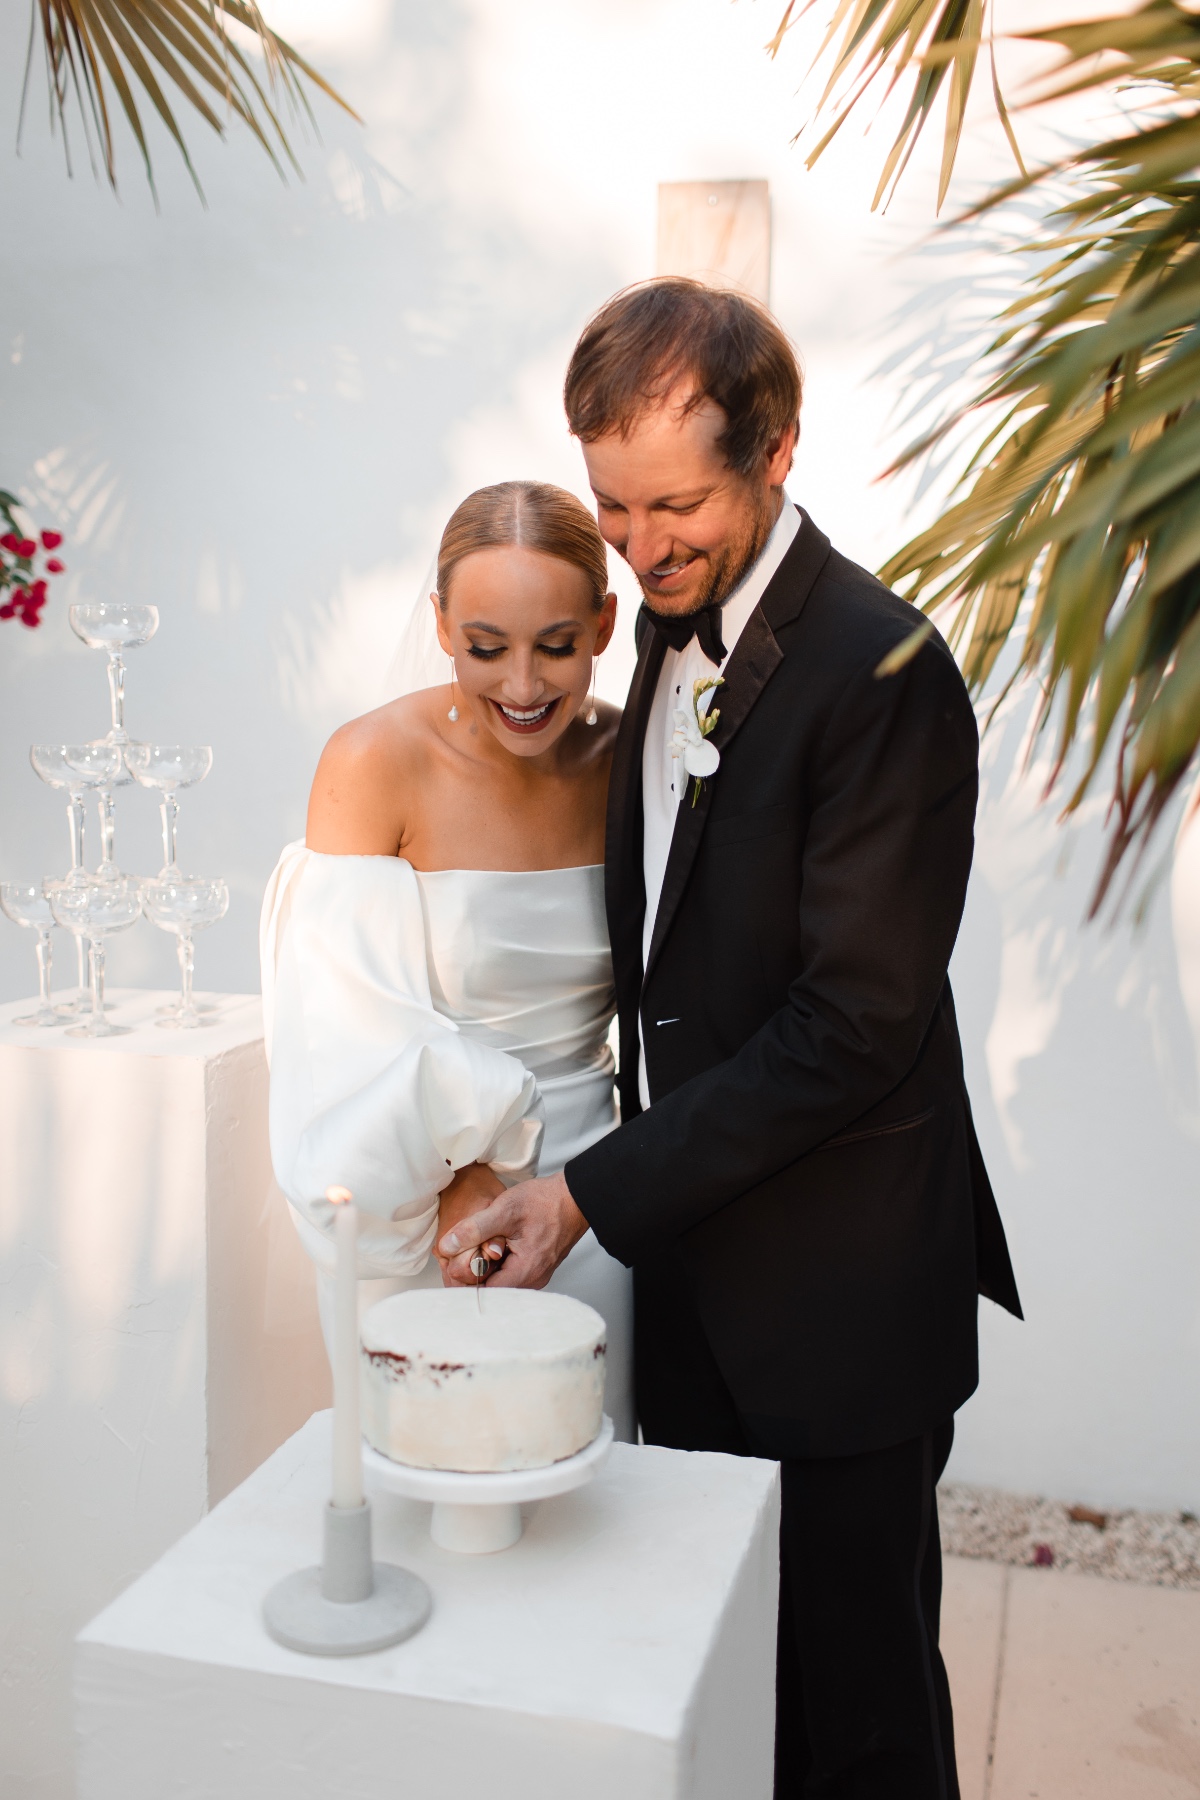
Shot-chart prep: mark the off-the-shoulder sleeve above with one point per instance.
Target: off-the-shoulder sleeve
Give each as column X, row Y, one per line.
column 371, row 1088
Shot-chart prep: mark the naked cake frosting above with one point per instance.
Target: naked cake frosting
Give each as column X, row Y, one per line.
column 509, row 1379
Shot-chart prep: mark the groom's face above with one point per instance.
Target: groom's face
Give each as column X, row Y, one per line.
column 666, row 500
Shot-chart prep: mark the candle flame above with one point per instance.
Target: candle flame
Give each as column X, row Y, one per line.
column 338, row 1196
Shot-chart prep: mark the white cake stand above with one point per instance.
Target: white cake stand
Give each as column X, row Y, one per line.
column 475, row 1514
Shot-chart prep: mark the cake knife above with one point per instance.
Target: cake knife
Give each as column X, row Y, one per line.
column 480, row 1267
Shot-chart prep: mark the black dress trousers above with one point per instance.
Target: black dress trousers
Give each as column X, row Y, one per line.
column 862, row 1701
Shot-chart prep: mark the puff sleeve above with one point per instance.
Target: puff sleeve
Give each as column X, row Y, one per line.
column 371, row 1088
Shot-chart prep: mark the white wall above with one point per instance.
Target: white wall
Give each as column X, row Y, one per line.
column 259, row 415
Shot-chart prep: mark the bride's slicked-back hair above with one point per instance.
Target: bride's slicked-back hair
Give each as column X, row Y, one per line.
column 672, row 332
column 532, row 514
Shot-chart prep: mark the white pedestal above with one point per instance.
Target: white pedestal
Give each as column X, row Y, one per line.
column 624, row 1649
column 158, row 1333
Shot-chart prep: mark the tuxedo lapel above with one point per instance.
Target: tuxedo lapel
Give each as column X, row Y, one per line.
column 624, row 880
column 749, row 668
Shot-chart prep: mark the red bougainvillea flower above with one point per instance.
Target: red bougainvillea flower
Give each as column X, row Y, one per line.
column 10, row 542
column 8, row 610
column 51, row 540
column 38, row 592
column 54, row 567
column 27, row 547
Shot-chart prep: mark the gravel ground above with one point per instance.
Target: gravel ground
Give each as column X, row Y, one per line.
column 1160, row 1548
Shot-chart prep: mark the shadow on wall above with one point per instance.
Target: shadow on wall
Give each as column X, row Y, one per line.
column 1082, row 1070
column 252, row 417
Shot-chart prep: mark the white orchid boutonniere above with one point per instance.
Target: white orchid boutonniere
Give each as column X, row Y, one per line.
column 692, row 730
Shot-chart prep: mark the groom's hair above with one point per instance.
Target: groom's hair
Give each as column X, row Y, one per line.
column 658, row 336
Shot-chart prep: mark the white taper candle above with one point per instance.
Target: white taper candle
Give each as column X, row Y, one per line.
column 347, row 1442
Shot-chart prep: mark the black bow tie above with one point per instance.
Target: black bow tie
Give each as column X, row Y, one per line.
column 704, row 626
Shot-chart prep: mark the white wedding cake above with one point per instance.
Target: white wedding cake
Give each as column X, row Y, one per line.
column 505, row 1379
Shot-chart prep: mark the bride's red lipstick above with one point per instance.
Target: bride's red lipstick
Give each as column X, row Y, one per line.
column 538, row 720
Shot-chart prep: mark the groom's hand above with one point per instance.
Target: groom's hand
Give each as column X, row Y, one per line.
column 538, row 1220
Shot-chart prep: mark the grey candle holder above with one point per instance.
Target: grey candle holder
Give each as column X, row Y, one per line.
column 351, row 1604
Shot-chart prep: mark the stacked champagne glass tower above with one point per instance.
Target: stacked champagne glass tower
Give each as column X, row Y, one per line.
column 95, row 904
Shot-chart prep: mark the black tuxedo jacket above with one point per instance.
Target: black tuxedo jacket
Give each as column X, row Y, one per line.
column 809, row 1153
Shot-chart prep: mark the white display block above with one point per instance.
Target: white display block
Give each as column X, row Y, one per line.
column 158, row 1332
column 624, row 1649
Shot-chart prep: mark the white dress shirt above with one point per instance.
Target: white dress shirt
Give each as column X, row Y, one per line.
column 663, row 777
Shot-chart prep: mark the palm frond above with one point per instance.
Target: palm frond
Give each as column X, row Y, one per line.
column 932, row 46
column 154, row 50
column 1082, row 515
column 1073, row 531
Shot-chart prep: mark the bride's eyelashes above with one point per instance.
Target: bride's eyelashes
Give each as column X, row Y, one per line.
column 489, row 655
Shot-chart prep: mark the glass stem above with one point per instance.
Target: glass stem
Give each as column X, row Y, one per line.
column 187, row 965
column 170, row 822
column 43, row 956
column 116, row 692
column 81, row 968
column 97, row 953
column 75, row 824
column 107, row 827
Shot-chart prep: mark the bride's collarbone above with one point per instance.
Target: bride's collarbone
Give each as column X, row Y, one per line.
column 476, row 834
column 465, row 808
column 517, row 781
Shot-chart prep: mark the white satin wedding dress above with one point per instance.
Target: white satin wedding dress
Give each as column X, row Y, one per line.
column 419, row 1022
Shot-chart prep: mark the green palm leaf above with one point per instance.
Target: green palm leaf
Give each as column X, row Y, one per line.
column 934, row 45
column 147, row 48
column 1074, row 530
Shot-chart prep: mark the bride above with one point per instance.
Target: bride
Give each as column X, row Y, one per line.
column 436, row 979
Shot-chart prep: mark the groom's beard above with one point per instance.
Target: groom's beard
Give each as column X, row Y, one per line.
column 727, row 568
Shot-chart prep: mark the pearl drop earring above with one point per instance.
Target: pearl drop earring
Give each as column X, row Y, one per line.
column 592, row 717
column 452, row 715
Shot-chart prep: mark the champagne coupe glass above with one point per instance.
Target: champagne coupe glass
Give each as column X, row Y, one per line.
column 28, row 906
column 167, row 768
column 95, row 910
column 79, row 769
column 184, row 905
column 113, row 626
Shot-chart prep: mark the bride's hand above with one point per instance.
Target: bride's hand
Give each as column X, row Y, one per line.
column 538, row 1223
column 473, row 1188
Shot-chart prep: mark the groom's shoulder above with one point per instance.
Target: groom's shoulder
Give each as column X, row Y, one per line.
column 851, row 619
column 855, row 604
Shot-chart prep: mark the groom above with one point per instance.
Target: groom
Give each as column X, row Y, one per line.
column 796, row 1182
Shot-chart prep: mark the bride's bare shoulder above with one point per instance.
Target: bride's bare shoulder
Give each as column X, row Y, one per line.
column 360, row 792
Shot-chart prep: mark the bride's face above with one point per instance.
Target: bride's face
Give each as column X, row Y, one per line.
column 522, row 630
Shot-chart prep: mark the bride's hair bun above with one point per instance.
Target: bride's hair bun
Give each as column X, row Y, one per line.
column 532, row 514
